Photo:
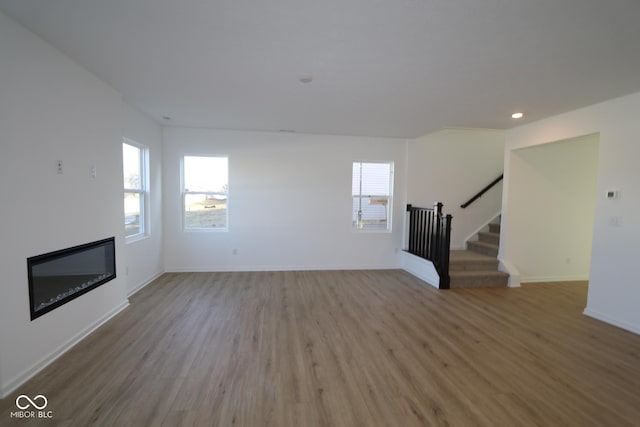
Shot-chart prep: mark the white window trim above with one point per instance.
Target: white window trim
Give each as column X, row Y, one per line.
column 143, row 192
column 389, row 227
column 207, row 193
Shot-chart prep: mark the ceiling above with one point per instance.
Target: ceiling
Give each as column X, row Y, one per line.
column 398, row 68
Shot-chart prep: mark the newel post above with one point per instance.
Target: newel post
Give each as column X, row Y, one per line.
column 445, row 279
column 437, row 207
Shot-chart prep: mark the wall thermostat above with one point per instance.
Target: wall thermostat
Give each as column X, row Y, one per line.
column 613, row 194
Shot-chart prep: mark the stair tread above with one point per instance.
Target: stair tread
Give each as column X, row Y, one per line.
column 494, row 284
column 478, row 279
column 489, row 233
column 470, row 256
column 485, row 244
column 477, row 267
column 473, row 273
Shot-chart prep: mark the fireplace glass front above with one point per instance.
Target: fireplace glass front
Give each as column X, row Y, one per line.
column 58, row 277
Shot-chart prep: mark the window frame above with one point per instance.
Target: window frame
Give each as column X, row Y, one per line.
column 142, row 192
column 184, row 193
column 389, row 197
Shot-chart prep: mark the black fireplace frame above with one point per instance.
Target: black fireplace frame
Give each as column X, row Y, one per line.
column 51, row 256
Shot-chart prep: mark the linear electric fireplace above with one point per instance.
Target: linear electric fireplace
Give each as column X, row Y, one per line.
column 58, row 277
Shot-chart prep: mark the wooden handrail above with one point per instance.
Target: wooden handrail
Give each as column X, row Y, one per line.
column 481, row 192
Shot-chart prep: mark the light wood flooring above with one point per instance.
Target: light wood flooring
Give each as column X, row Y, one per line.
column 344, row 348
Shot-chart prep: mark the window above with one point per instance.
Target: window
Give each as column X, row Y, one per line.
column 371, row 191
column 205, row 191
column 134, row 165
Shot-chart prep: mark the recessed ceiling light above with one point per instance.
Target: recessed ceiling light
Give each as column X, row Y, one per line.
column 305, row 79
column 517, row 115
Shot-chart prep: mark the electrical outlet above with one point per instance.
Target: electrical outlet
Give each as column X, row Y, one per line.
column 59, row 166
column 615, row 221
column 613, row 194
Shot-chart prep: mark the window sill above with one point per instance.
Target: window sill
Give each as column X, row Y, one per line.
column 205, row 230
column 373, row 231
column 135, row 238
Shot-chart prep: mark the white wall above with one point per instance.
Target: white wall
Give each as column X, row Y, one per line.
column 289, row 202
column 144, row 257
column 551, row 208
column 452, row 165
column 51, row 109
column 613, row 286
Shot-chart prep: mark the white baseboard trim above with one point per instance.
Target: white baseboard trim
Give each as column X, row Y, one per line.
column 421, row 268
column 143, row 284
column 281, row 268
column 10, row 386
column 612, row 320
column 514, row 275
column 568, row 278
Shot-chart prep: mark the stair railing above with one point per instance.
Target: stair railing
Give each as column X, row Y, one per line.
column 481, row 192
column 430, row 238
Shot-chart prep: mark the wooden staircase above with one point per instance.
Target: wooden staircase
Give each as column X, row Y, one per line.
column 478, row 265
